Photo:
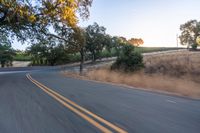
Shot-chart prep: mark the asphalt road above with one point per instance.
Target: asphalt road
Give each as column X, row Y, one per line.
column 27, row 106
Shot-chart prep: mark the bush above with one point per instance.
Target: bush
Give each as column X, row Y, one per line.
column 129, row 60
column 194, row 46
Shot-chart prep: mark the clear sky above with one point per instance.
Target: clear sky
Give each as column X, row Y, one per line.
column 156, row 21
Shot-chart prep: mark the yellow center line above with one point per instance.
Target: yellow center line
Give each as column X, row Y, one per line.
column 79, row 107
column 83, row 109
column 93, row 122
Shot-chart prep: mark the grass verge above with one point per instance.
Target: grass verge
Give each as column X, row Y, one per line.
column 176, row 73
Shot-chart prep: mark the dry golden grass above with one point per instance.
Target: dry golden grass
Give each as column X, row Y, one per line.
column 176, row 73
column 174, row 64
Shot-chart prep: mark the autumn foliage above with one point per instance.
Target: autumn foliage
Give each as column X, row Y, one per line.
column 23, row 12
column 136, row 41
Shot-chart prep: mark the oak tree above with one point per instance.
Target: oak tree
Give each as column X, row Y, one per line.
column 189, row 32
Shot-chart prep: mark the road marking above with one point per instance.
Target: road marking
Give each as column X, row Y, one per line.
column 103, row 129
column 66, row 102
column 170, row 101
column 8, row 72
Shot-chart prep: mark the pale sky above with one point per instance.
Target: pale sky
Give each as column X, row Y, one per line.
column 156, row 21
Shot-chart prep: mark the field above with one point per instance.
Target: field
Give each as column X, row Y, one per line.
column 106, row 53
column 155, row 49
column 176, row 72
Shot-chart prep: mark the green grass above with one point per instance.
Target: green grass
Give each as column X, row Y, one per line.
column 22, row 57
column 154, row 49
column 105, row 53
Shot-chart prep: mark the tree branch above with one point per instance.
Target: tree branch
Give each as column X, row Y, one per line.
column 5, row 12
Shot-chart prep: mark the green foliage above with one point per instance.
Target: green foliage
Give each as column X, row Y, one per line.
column 194, row 46
column 189, row 32
column 128, row 60
column 21, row 56
column 6, row 55
column 97, row 40
column 6, row 51
column 118, row 43
column 105, row 54
column 20, row 17
column 47, row 53
column 154, row 49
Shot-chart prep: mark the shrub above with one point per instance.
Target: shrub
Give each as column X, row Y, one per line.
column 194, row 46
column 128, row 60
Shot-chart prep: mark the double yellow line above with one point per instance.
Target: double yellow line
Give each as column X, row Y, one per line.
column 80, row 111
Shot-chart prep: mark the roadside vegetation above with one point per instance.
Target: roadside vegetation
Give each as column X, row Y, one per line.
column 97, row 45
column 6, row 51
column 128, row 60
column 21, row 56
column 175, row 72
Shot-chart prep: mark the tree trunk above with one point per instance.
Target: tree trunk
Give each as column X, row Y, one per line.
column 93, row 57
column 189, row 47
column 2, row 64
column 82, row 60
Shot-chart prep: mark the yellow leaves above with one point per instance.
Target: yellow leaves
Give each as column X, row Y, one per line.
column 69, row 15
column 32, row 18
column 198, row 40
column 67, row 11
column 26, row 14
column 61, row 1
column 63, row 11
column 21, row 12
column 6, row 3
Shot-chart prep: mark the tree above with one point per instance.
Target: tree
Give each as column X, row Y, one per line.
column 136, row 41
column 6, row 51
column 118, row 43
column 73, row 39
column 47, row 51
column 128, row 60
column 26, row 19
column 108, row 42
column 189, row 32
column 95, row 39
column 77, row 42
column 22, row 12
column 35, row 19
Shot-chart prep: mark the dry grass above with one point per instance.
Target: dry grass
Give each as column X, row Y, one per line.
column 173, row 72
column 174, row 64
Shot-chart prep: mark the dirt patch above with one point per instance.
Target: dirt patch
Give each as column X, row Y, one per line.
column 21, row 63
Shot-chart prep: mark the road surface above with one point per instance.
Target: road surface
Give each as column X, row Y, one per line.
column 44, row 101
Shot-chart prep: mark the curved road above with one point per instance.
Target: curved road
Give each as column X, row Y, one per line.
column 47, row 102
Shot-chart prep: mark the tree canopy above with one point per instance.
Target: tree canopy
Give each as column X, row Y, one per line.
column 36, row 20
column 6, row 51
column 189, row 33
column 22, row 17
column 95, row 39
